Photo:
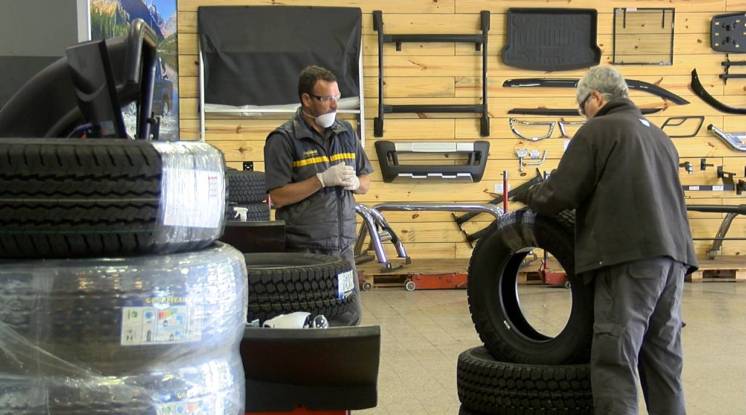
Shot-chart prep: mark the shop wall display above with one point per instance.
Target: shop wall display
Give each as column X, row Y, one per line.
column 110, row 18
column 449, row 73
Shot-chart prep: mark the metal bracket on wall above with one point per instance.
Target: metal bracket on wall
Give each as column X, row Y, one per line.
column 727, row 63
column 528, row 157
column 736, row 141
column 480, row 41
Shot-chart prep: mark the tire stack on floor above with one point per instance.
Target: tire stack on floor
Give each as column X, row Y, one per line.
column 286, row 282
column 519, row 370
column 246, row 189
column 114, row 296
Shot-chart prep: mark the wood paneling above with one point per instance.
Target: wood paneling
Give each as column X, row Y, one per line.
column 448, row 73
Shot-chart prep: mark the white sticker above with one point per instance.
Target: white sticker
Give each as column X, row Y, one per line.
column 693, row 187
column 160, row 323
column 205, row 406
column 718, row 188
column 192, row 198
column 345, row 284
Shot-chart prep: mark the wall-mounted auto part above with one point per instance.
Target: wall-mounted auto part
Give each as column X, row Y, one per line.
column 526, row 133
column 551, row 39
column 471, row 171
column 567, row 129
column 729, row 183
column 573, row 83
column 727, row 63
column 643, row 36
column 736, row 141
column 687, row 165
column 701, row 92
column 677, row 125
column 731, row 213
column 480, row 42
column 566, row 112
column 528, row 157
column 515, row 124
column 737, row 187
column 250, row 57
column 727, row 33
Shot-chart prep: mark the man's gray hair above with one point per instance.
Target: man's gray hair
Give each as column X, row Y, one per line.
column 604, row 79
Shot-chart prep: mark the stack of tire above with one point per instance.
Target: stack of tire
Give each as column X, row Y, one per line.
column 114, row 296
column 246, row 189
column 519, row 370
column 286, row 282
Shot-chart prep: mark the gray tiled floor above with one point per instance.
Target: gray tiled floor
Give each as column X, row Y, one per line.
column 423, row 332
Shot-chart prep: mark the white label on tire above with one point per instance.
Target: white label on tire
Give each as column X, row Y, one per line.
column 160, row 323
column 204, row 406
column 192, row 198
column 345, row 284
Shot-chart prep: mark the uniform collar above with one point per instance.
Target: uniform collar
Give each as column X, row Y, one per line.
column 618, row 105
column 303, row 130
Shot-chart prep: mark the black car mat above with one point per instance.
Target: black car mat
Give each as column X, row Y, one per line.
column 551, row 39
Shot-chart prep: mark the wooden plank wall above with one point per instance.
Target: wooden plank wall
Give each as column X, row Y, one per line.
column 433, row 73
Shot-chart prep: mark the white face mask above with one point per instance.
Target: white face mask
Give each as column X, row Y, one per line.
column 326, row 120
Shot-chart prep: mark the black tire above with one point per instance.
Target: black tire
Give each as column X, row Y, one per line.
column 88, row 312
column 255, row 212
column 286, row 282
column 487, row 386
column 493, row 299
column 66, row 198
column 217, row 382
column 246, row 187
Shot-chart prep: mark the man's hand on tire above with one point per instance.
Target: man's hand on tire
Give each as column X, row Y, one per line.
column 337, row 175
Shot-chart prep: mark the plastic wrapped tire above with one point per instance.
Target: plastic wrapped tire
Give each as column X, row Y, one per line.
column 255, row 212
column 286, row 282
column 214, row 386
column 487, row 386
column 493, row 297
column 246, row 187
column 62, row 198
column 119, row 315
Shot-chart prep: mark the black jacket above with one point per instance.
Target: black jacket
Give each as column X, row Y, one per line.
column 621, row 174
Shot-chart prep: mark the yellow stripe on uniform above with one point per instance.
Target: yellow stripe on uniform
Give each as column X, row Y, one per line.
column 309, row 161
column 343, row 156
column 323, row 159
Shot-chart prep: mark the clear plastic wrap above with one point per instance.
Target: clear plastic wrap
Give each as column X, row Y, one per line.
column 212, row 386
column 192, row 192
column 121, row 316
column 71, row 198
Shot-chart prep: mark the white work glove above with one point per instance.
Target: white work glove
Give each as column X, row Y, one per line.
column 354, row 184
column 336, row 175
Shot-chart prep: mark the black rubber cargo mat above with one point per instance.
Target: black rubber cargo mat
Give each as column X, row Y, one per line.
column 725, row 33
column 551, row 39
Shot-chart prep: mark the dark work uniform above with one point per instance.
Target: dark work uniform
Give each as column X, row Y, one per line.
column 325, row 221
column 632, row 239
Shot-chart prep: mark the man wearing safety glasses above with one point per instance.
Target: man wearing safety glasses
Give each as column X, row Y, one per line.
column 632, row 241
column 314, row 163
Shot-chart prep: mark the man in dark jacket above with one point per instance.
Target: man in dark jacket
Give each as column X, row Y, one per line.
column 632, row 240
column 314, row 163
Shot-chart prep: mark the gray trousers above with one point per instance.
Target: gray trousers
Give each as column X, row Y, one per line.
column 637, row 329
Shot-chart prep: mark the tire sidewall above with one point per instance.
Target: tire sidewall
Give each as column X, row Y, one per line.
column 492, row 293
